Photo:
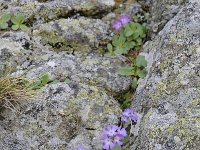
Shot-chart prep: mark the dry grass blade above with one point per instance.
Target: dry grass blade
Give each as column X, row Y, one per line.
column 13, row 90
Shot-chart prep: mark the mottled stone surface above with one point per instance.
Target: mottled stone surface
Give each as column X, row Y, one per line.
column 11, row 54
column 44, row 10
column 60, row 113
column 63, row 115
column 73, row 34
column 169, row 98
column 161, row 11
column 92, row 69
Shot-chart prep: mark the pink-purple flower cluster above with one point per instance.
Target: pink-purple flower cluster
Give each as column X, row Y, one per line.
column 120, row 22
column 112, row 136
column 128, row 114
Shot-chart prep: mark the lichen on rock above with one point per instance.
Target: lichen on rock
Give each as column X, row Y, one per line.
column 169, row 97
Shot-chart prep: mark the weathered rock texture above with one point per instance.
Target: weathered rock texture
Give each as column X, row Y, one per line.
column 73, row 34
column 79, row 100
column 44, row 10
column 161, row 11
column 170, row 96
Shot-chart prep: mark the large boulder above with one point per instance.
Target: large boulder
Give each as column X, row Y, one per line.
column 58, row 117
column 74, row 107
column 169, row 97
column 44, row 10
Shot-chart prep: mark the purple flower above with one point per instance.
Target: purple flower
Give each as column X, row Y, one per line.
column 117, row 24
column 112, row 136
column 129, row 114
column 120, row 22
column 135, row 117
column 108, row 143
column 124, row 19
column 121, row 132
column 117, row 139
column 79, row 148
column 111, row 130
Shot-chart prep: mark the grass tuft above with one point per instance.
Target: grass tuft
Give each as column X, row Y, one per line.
column 13, row 90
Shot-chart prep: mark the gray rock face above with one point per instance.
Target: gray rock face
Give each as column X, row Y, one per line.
column 60, row 113
column 161, row 11
column 73, row 34
column 169, row 98
column 44, row 10
column 91, row 69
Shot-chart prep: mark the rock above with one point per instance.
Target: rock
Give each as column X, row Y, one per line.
column 92, row 69
column 11, row 54
column 58, row 117
column 169, row 98
column 73, row 108
column 73, row 34
column 161, row 12
column 43, row 11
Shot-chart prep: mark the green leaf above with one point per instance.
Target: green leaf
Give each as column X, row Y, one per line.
column 128, row 31
column 119, row 51
column 15, row 21
column 6, row 17
column 126, row 71
column 117, row 148
column 4, row 25
column 133, row 26
column 134, row 83
column 23, row 28
column 140, row 61
column 139, row 41
column 115, row 40
column 142, row 73
column 131, row 44
column 36, row 85
column 110, row 47
column 15, row 27
column 44, row 79
column 122, row 39
column 20, row 18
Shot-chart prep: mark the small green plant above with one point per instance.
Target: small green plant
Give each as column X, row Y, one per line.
column 41, row 82
column 18, row 21
column 137, row 70
column 130, row 37
column 4, row 21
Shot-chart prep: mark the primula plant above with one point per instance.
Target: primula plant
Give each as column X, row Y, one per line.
column 130, row 35
column 137, row 70
column 4, row 21
column 18, row 21
column 41, row 82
